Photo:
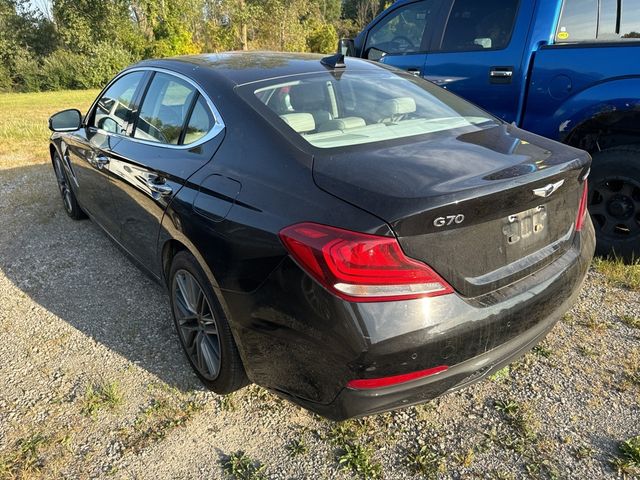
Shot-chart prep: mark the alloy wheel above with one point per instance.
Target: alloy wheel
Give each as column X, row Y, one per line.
column 197, row 324
column 63, row 185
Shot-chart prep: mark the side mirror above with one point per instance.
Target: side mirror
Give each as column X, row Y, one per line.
column 347, row 47
column 375, row 54
column 66, row 121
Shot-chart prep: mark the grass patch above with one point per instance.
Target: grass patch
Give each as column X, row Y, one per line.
column 24, row 131
column 426, row 462
column 227, row 403
column 631, row 321
column 239, row 466
column 542, row 351
column 101, row 396
column 501, row 374
column 618, row 274
column 157, row 420
column 25, row 459
column 357, row 459
column 519, row 417
column 627, row 462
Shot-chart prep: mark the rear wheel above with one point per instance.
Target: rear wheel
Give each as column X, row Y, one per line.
column 203, row 328
column 68, row 197
column 614, row 201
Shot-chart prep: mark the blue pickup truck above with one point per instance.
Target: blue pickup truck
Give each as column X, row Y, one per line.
column 568, row 70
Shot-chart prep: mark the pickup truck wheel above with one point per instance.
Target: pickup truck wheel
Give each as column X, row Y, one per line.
column 614, row 201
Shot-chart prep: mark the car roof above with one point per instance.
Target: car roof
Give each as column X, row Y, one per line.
column 245, row 67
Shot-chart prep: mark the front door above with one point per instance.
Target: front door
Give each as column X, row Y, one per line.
column 89, row 151
column 480, row 55
column 401, row 37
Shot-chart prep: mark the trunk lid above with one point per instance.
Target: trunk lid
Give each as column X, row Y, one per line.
column 464, row 202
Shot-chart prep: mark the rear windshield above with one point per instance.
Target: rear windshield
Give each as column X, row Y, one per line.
column 352, row 108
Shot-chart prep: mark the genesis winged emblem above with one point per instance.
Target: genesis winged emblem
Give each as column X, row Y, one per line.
column 548, row 190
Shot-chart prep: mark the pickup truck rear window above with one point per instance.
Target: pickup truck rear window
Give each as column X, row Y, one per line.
column 599, row 20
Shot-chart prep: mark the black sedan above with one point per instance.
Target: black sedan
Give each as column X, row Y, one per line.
column 347, row 235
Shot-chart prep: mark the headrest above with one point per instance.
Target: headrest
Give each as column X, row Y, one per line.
column 342, row 124
column 397, row 106
column 300, row 122
column 308, row 96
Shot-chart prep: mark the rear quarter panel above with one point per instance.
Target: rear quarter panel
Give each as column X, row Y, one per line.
column 573, row 83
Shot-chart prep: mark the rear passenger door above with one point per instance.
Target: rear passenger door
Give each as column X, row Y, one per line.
column 176, row 132
column 480, row 53
column 401, row 38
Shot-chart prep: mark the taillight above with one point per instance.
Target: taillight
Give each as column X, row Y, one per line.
column 369, row 383
column 582, row 209
column 359, row 267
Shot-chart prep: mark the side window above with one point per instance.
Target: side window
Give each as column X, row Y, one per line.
column 114, row 108
column 578, row 21
column 475, row 25
column 402, row 30
column 200, row 122
column 599, row 20
column 164, row 109
column 630, row 19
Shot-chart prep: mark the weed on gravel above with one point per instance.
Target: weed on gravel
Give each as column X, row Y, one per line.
column 627, row 462
column 357, row 459
column 426, row 462
column 631, row 321
column 101, row 396
column 239, row 466
column 154, row 422
column 24, row 460
column 297, row 447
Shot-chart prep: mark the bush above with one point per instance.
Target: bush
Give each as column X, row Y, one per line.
column 323, row 39
column 67, row 70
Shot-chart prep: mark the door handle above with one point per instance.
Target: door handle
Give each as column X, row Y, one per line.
column 157, row 185
column 101, row 161
column 501, row 74
column 414, row 71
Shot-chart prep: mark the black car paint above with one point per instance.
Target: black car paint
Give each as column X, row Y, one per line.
column 228, row 204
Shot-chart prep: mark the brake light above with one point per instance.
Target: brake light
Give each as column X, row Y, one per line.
column 369, row 383
column 582, row 209
column 359, row 267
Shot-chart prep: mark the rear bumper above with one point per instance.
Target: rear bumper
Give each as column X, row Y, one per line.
column 309, row 344
column 559, row 289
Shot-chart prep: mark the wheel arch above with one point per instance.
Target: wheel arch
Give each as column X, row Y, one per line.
column 608, row 129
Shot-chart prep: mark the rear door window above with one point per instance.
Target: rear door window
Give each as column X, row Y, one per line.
column 630, row 20
column 475, row 25
column 599, row 20
column 165, row 108
column 578, row 21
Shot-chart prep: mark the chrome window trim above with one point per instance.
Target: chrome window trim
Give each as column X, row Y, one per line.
column 218, row 123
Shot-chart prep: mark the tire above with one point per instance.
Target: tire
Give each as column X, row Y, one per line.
column 69, row 200
column 197, row 314
column 614, row 201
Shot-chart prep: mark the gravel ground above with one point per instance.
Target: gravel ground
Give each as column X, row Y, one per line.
column 93, row 383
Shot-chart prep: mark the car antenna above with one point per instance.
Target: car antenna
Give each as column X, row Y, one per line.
column 334, row 61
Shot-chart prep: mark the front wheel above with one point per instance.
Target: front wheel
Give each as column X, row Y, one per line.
column 614, row 201
column 203, row 328
column 68, row 197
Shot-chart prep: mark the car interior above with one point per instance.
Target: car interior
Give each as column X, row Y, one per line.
column 331, row 113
